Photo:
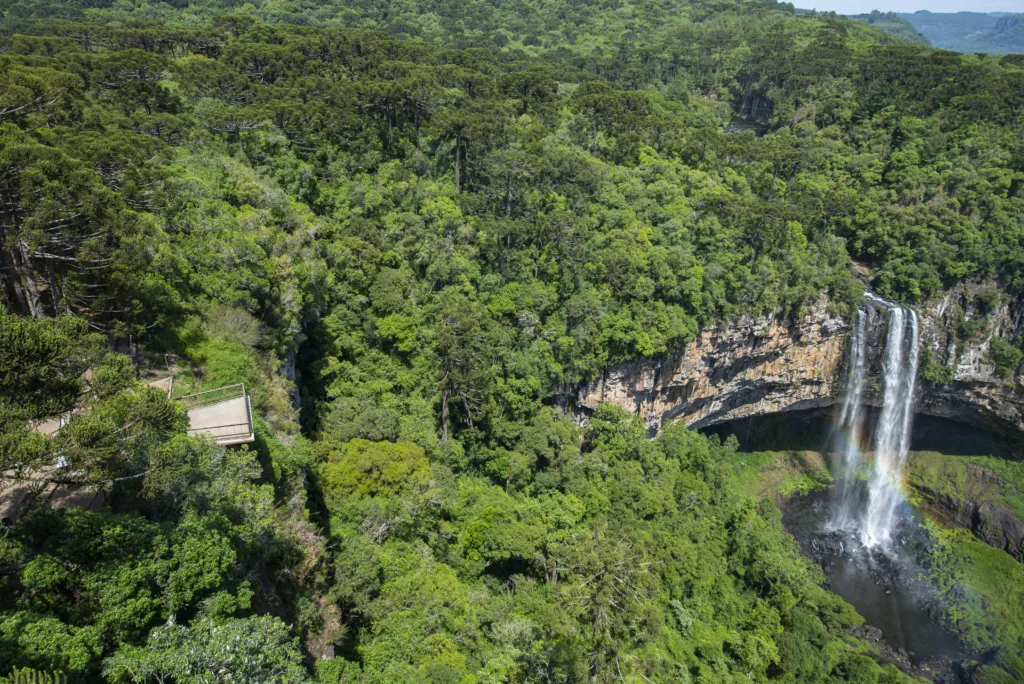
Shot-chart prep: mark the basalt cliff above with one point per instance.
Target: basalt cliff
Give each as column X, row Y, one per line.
column 756, row 366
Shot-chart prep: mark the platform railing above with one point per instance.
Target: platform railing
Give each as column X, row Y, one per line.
column 214, row 396
column 235, row 432
column 224, row 432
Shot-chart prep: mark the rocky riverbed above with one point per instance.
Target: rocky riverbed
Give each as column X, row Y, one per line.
column 904, row 615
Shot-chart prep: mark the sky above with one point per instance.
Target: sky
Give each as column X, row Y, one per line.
column 858, row 6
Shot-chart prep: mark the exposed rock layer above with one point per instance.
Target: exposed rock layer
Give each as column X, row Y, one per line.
column 993, row 523
column 756, row 366
column 748, row 367
column 958, row 334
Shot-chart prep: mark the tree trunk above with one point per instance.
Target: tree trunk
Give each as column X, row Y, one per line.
column 32, row 299
column 54, row 286
column 11, row 282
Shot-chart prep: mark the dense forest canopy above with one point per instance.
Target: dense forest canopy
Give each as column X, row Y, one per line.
column 417, row 221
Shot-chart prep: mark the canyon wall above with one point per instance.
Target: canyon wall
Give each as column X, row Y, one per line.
column 958, row 333
column 748, row 366
column 755, row 366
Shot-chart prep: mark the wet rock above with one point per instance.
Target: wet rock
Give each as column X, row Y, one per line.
column 918, row 644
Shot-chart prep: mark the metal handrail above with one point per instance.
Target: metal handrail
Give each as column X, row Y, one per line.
column 207, row 400
column 196, row 394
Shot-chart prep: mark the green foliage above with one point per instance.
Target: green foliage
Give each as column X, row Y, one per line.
column 983, row 586
column 55, row 370
column 375, row 468
column 29, row 676
column 972, row 480
column 931, row 371
column 770, row 474
column 987, row 300
column 47, row 643
column 338, row 671
column 1004, row 356
column 980, row 583
column 41, row 364
column 66, row 227
column 254, row 649
column 88, row 579
column 655, row 542
column 420, row 222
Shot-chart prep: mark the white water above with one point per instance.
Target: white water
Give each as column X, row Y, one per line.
column 850, row 424
column 892, row 433
column 892, row 436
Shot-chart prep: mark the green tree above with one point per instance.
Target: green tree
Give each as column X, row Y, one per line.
column 255, row 649
column 461, row 345
column 376, row 468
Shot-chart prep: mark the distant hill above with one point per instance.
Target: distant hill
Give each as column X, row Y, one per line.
column 894, row 24
column 1006, row 37
column 995, row 32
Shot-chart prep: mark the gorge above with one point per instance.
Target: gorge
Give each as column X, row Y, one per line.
column 851, row 389
column 544, row 314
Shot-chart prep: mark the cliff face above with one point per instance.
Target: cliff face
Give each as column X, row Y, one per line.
column 766, row 365
column 747, row 367
column 991, row 522
column 958, row 333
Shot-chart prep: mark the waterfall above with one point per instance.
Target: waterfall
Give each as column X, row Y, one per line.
column 892, row 432
column 892, row 436
column 850, row 426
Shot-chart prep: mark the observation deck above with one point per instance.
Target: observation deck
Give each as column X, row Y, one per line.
column 225, row 414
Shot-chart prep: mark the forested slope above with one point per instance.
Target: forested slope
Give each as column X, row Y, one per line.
column 894, row 24
column 995, row 32
column 438, row 214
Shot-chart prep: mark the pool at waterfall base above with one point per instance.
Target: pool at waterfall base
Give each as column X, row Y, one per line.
column 886, row 584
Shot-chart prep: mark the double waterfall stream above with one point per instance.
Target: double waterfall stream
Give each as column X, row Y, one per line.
column 891, row 440
column 863, row 532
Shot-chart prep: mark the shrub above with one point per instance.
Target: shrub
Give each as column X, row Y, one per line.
column 1004, row 356
column 931, row 371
